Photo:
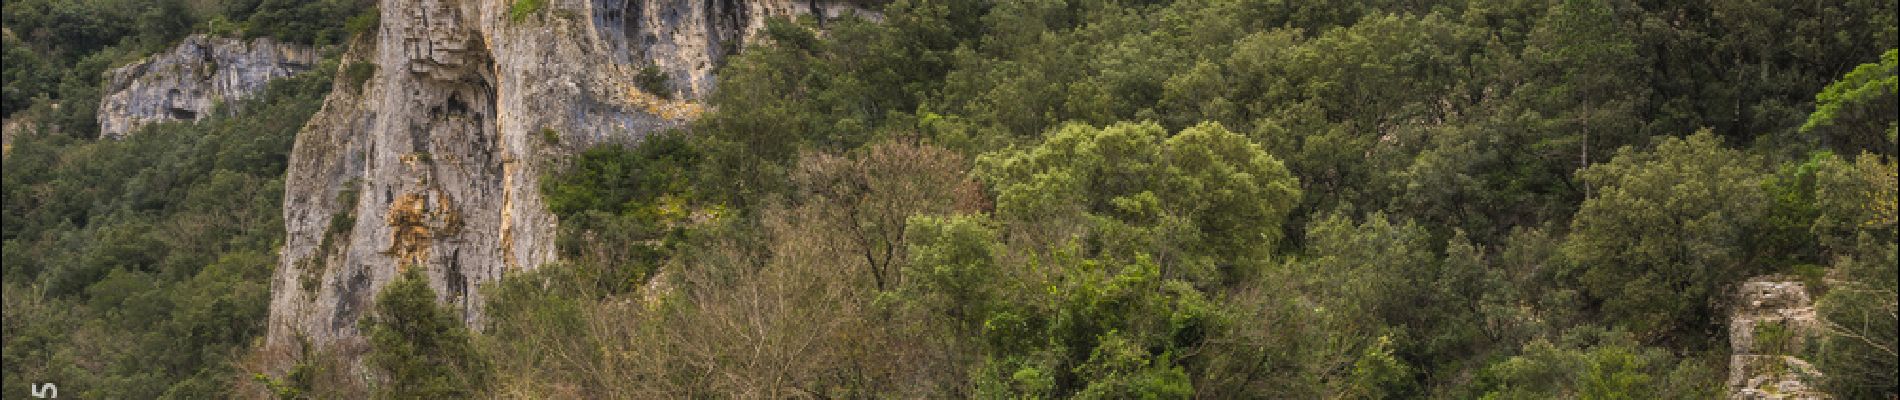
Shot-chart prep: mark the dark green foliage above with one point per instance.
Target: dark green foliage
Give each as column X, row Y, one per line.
column 57, row 50
column 653, row 80
column 155, row 250
column 26, row 75
column 356, row 74
column 1591, row 362
column 320, row 22
column 620, row 179
column 1665, row 232
column 619, row 207
column 365, row 21
column 1211, row 199
column 1422, row 198
column 421, row 348
column 861, row 82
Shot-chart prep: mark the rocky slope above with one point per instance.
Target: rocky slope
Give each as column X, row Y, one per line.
column 183, row 84
column 428, row 153
column 1772, row 321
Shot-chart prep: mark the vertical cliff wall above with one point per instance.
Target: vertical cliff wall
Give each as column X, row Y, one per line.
column 186, row 82
column 428, row 153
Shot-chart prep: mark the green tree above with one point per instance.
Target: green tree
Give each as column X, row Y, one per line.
column 621, row 208
column 1593, row 363
column 1096, row 329
column 1665, row 232
column 158, row 245
column 1204, row 201
column 1850, row 113
column 1857, row 229
column 421, row 348
column 1592, row 102
column 1856, row 352
column 954, row 268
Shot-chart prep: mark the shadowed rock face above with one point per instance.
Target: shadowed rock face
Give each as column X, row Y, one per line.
column 185, row 83
column 1771, row 322
column 433, row 161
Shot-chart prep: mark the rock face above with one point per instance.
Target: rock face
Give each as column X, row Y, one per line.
column 429, row 151
column 686, row 39
column 185, row 83
column 1771, row 322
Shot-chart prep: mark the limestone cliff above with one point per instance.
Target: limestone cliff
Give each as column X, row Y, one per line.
column 428, row 153
column 183, row 84
column 1771, row 322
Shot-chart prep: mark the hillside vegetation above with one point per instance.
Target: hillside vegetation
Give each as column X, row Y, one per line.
column 1501, row 199
column 1233, row 199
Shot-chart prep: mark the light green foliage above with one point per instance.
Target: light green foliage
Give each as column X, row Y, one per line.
column 421, row 349
column 1094, row 329
column 1854, row 199
column 954, row 267
column 1062, row 326
column 1377, row 374
column 1850, row 111
column 521, row 10
column 1595, row 364
column 1203, row 199
column 1119, row 368
column 1665, row 230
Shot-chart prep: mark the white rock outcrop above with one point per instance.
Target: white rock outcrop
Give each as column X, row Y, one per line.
column 187, row 82
column 1772, row 320
column 428, row 152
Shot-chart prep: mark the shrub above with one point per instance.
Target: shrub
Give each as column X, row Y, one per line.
column 522, row 9
column 653, row 81
column 422, row 349
column 355, row 75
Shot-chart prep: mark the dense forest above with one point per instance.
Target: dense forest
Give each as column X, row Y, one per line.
column 1501, row 199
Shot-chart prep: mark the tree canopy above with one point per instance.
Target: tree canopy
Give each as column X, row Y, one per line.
column 1037, row 198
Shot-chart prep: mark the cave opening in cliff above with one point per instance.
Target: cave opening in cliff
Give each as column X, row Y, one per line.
column 182, row 114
